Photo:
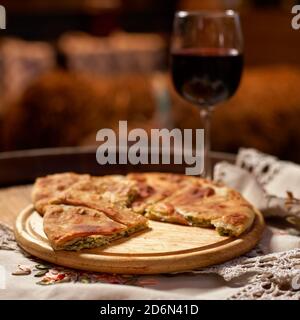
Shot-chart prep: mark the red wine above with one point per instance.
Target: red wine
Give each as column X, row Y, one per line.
column 206, row 76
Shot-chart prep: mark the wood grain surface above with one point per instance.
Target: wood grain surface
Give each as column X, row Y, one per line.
column 12, row 201
column 162, row 249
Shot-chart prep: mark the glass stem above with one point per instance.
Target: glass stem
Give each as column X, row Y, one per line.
column 206, row 118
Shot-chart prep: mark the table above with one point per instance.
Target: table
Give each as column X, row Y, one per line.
column 12, row 201
column 15, row 187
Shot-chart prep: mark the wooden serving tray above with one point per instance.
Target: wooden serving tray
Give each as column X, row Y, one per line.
column 164, row 248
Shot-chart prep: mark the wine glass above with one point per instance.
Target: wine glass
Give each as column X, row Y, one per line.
column 206, row 62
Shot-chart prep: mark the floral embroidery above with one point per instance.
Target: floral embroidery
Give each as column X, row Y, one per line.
column 22, row 270
column 53, row 275
column 274, row 276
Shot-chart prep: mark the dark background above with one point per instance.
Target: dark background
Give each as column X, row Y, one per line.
column 60, row 106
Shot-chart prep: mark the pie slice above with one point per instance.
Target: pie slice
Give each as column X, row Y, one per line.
column 49, row 187
column 115, row 206
column 76, row 228
column 110, row 197
column 205, row 204
column 154, row 187
column 116, row 189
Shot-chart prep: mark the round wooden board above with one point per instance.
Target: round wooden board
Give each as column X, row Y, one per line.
column 162, row 249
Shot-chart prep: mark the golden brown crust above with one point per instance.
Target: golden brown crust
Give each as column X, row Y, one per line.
column 153, row 187
column 64, row 225
column 114, row 201
column 93, row 194
column 203, row 203
column 49, row 187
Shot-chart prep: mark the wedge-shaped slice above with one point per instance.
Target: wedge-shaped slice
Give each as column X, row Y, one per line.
column 206, row 205
column 90, row 195
column 116, row 189
column 49, row 187
column 76, row 228
column 154, row 187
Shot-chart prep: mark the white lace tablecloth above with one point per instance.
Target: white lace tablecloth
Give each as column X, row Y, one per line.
column 257, row 275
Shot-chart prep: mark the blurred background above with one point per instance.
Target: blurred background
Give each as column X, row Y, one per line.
column 71, row 67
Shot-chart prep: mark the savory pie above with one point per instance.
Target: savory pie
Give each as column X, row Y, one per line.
column 205, row 204
column 109, row 194
column 82, row 211
column 75, row 228
column 49, row 187
column 154, row 187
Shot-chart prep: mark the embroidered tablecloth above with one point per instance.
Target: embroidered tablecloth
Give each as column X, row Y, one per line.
column 266, row 272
